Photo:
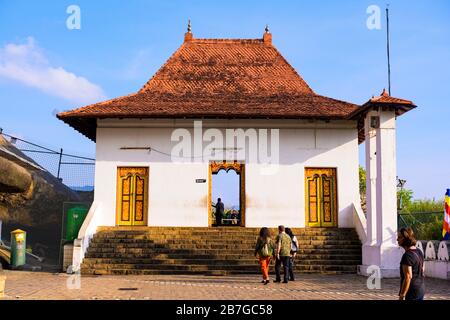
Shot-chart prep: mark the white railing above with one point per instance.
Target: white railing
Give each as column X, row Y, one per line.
column 87, row 231
column 360, row 222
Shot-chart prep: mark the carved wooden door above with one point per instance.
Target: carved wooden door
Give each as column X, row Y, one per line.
column 321, row 197
column 132, row 196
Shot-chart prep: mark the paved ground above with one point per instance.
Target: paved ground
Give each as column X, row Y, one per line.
column 40, row 285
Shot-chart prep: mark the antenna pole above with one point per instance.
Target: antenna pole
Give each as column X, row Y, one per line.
column 388, row 54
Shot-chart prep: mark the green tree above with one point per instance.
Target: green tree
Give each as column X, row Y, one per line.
column 404, row 197
column 362, row 180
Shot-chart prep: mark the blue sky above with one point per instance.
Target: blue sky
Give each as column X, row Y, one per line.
column 121, row 44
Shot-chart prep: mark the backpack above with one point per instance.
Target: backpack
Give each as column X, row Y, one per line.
column 293, row 245
column 265, row 250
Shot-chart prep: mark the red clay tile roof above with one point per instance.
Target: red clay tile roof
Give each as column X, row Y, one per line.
column 383, row 101
column 387, row 99
column 221, row 78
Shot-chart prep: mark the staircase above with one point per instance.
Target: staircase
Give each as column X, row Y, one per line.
column 213, row 251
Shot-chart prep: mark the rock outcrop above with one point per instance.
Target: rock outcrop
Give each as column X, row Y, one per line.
column 31, row 199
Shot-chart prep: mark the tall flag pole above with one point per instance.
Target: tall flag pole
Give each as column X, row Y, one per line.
column 446, row 227
column 388, row 53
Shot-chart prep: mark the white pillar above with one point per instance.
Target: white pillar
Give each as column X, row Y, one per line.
column 371, row 176
column 370, row 256
column 381, row 249
column 390, row 253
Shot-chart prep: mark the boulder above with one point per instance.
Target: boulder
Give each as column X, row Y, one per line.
column 32, row 199
column 13, row 178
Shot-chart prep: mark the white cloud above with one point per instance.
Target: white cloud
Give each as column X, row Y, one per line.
column 26, row 63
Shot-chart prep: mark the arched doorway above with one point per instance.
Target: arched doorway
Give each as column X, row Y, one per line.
column 227, row 181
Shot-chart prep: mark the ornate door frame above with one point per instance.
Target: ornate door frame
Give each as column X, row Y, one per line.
column 134, row 182
column 321, row 195
column 213, row 168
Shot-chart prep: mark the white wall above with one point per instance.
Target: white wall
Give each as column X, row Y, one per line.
column 175, row 199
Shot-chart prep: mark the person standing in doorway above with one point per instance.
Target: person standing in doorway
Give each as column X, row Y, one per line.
column 282, row 254
column 412, row 285
column 264, row 252
column 220, row 209
column 294, row 249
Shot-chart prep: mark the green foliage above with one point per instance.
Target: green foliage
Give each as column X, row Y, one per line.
column 424, row 216
column 431, row 230
column 426, row 225
column 426, row 205
column 362, row 180
column 404, row 197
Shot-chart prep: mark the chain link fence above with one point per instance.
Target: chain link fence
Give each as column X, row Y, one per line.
column 74, row 171
column 426, row 225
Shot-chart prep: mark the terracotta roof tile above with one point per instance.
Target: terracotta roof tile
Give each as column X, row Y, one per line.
column 239, row 78
column 386, row 98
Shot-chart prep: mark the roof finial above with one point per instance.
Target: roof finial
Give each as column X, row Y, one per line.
column 188, row 36
column 267, row 36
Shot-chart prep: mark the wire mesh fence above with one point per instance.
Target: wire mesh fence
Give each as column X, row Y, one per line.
column 74, row 171
column 426, row 225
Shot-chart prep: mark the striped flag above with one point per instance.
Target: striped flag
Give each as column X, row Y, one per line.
column 446, row 228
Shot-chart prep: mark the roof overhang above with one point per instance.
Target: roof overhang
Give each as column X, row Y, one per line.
column 360, row 114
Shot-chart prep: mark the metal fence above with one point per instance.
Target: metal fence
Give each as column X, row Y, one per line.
column 74, row 171
column 426, row 225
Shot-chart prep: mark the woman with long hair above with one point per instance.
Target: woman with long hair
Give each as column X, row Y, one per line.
column 412, row 286
column 264, row 252
column 294, row 249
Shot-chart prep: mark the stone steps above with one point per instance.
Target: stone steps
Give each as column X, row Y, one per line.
column 97, row 262
column 225, row 250
column 217, row 251
column 223, row 256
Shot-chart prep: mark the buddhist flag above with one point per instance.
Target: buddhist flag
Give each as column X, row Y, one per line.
column 446, row 229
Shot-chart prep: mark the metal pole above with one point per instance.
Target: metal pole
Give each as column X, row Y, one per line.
column 59, row 163
column 388, row 54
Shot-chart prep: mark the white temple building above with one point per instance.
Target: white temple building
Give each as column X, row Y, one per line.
column 237, row 104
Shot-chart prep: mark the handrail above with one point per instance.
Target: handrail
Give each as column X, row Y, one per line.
column 87, row 230
column 360, row 223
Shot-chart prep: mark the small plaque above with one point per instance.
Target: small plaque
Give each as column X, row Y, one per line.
column 200, row 180
column 375, row 122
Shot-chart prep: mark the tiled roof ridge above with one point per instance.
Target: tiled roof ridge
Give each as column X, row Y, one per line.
column 177, row 52
column 224, row 40
column 385, row 97
column 292, row 68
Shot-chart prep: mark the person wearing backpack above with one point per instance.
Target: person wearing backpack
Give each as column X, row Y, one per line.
column 294, row 249
column 412, row 284
column 264, row 252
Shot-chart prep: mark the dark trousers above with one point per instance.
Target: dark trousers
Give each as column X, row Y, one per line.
column 218, row 219
column 285, row 262
column 291, row 268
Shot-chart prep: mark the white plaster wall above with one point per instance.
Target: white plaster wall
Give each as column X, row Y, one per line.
column 175, row 199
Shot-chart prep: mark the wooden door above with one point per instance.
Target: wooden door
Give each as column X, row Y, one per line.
column 321, row 197
column 132, row 196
